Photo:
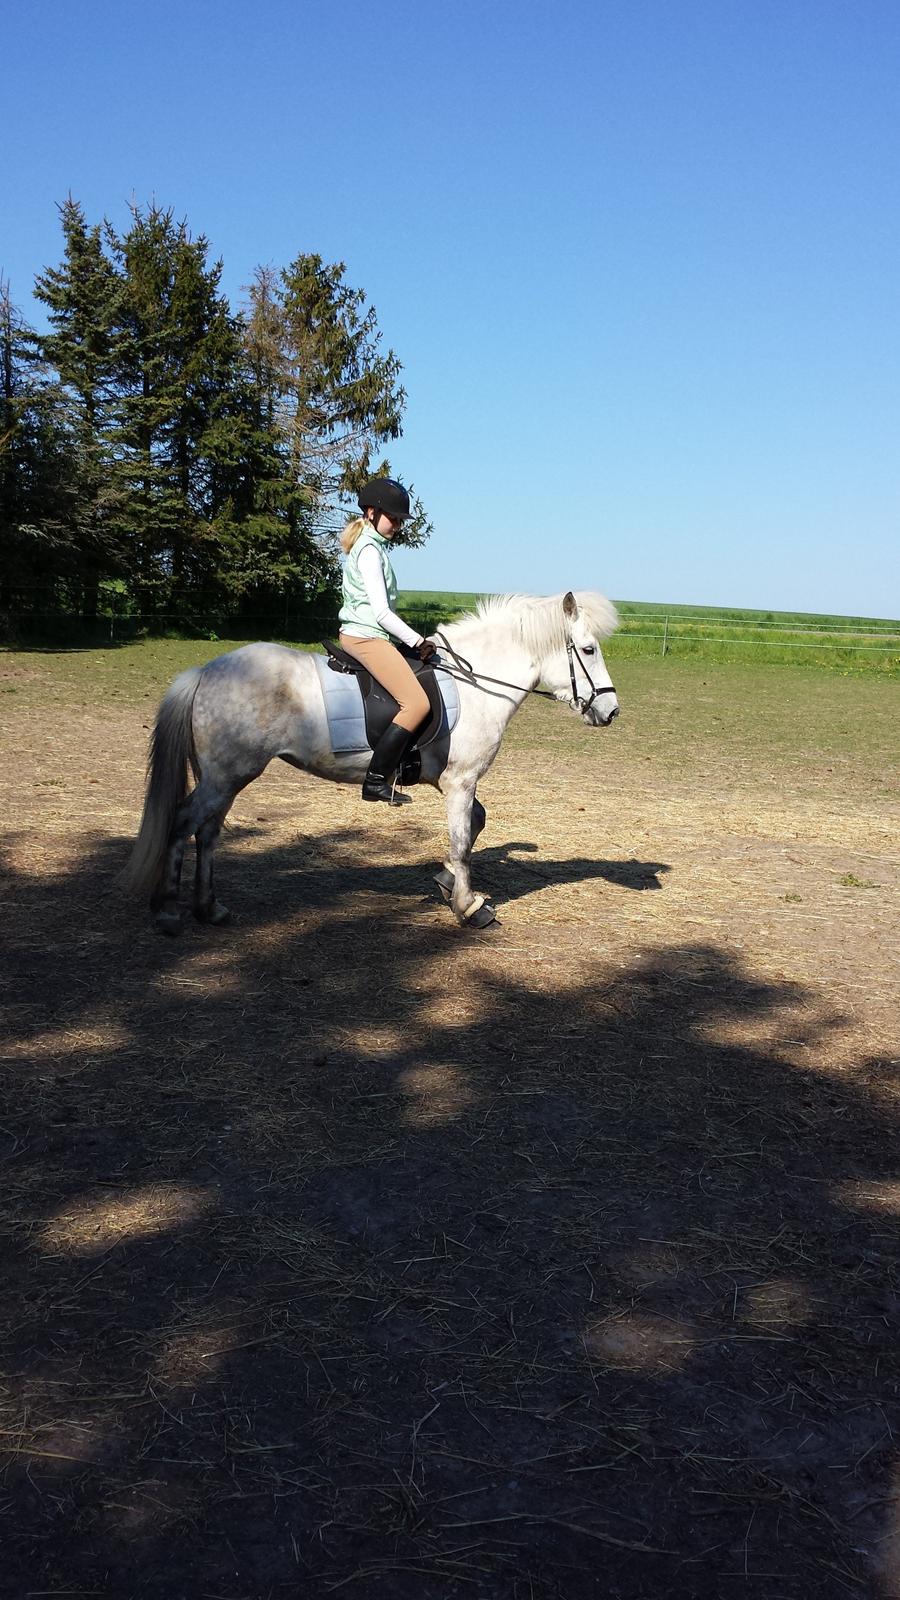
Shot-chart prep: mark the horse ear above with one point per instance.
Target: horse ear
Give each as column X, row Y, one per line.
column 569, row 606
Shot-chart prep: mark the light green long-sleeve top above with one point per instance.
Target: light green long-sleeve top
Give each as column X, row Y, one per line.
column 369, row 595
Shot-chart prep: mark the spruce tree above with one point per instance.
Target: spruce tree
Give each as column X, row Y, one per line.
column 38, row 550
column 276, row 556
column 83, row 297
column 182, row 427
column 209, row 457
column 323, row 380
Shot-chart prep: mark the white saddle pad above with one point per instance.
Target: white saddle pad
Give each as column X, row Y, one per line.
column 344, row 706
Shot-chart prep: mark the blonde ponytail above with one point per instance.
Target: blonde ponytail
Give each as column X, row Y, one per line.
column 351, row 533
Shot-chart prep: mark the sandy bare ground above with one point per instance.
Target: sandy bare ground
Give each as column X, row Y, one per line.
column 351, row 1252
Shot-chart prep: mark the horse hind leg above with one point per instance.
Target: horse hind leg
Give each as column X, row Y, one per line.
column 206, row 907
column 164, row 900
column 202, row 806
column 215, row 797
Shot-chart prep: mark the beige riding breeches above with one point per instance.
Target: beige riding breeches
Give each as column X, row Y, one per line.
column 380, row 658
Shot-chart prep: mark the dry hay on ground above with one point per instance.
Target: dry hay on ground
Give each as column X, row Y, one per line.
column 350, row 1252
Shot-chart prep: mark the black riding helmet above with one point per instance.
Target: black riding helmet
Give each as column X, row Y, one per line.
column 385, row 494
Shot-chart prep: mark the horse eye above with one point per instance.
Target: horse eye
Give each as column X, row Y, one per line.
column 590, row 649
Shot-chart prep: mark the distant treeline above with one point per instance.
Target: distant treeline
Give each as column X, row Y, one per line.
column 163, row 455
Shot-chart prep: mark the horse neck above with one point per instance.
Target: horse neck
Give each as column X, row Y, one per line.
column 496, row 650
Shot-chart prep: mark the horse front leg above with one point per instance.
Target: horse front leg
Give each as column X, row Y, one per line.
column 444, row 878
column 479, row 818
column 464, row 823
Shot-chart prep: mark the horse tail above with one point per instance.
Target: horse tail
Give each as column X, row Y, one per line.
column 171, row 749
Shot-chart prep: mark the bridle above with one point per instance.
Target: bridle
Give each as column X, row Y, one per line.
column 467, row 674
column 574, row 654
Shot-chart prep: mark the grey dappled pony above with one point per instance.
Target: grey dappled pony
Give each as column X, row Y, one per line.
column 227, row 720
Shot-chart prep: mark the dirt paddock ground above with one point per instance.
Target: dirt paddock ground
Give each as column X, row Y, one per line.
column 349, row 1252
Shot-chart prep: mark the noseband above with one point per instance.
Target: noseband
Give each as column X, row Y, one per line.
column 467, row 673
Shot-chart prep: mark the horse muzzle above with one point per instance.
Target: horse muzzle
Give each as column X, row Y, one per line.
column 598, row 715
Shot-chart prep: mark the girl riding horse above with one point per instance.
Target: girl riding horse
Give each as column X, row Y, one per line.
column 368, row 623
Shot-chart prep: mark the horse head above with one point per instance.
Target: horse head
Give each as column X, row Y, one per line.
column 587, row 686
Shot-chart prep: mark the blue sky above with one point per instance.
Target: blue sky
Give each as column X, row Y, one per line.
column 639, row 259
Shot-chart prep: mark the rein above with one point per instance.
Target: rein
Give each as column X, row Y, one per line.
column 467, row 674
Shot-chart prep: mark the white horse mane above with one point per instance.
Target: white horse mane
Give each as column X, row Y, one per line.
column 539, row 621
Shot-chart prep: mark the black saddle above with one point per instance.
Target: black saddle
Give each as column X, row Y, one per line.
column 380, row 708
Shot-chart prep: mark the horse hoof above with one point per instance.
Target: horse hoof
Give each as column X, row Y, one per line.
column 481, row 916
column 168, row 922
column 445, row 881
column 215, row 916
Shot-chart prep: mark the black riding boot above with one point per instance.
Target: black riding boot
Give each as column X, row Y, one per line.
column 386, row 758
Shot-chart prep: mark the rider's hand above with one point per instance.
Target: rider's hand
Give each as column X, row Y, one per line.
column 426, row 650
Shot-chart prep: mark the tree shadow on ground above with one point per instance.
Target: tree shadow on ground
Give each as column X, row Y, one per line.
column 345, row 1252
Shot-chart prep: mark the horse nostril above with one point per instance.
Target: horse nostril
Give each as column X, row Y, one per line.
column 613, row 713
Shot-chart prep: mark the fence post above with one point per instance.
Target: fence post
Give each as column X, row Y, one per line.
column 665, row 637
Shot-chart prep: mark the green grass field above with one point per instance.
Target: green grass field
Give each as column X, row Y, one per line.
column 858, row 646
column 869, row 645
